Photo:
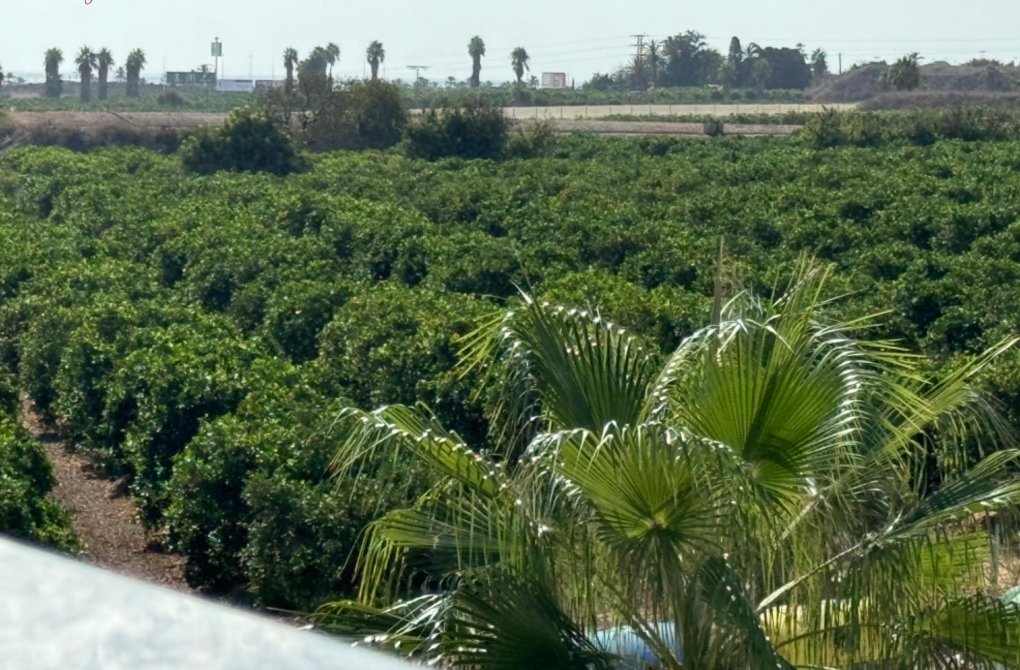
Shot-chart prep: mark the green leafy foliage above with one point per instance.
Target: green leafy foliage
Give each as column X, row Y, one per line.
column 749, row 501
column 162, row 320
column 253, row 507
column 248, row 142
column 358, row 115
column 393, row 344
column 25, row 481
column 473, row 131
column 172, row 378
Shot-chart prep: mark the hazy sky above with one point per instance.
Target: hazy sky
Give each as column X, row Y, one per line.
column 573, row 36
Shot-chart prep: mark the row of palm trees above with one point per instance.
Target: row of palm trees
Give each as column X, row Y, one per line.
column 89, row 61
column 375, row 55
column 323, row 59
column 519, row 60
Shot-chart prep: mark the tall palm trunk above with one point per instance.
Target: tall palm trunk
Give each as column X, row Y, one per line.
column 132, row 82
column 104, row 73
column 54, row 85
column 85, row 93
column 476, row 71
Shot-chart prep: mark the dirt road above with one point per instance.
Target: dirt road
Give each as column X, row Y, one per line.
column 87, row 122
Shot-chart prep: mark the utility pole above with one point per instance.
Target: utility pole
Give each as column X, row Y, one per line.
column 841, row 62
column 639, row 44
column 417, row 77
column 417, row 72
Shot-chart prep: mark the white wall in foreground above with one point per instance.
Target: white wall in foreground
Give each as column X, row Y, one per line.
column 59, row 614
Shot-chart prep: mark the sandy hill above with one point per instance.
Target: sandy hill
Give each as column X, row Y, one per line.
column 863, row 82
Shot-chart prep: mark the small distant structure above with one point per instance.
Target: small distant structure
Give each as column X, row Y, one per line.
column 235, row 85
column 193, row 78
column 554, row 80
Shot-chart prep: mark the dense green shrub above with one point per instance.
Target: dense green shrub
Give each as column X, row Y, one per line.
column 206, row 516
column 249, row 142
column 207, row 520
column 171, row 379
column 9, row 401
column 714, row 127
column 664, row 315
column 25, row 480
column 357, row 115
column 252, row 505
column 100, row 337
column 471, row 131
column 305, row 529
column 298, row 311
column 533, row 141
column 465, row 261
column 393, row 344
column 50, row 306
column 171, row 98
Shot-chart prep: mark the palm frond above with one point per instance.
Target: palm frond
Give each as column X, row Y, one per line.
column 503, row 622
column 644, row 491
column 739, row 628
column 405, row 627
column 412, row 435
column 568, row 368
column 450, row 530
column 983, row 489
column 786, row 393
column 975, row 632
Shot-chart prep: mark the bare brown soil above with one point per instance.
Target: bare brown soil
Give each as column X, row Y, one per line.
column 103, row 515
column 631, row 128
column 98, row 122
column 90, row 121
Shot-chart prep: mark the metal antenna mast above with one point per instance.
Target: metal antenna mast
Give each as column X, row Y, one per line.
column 417, row 71
column 639, row 44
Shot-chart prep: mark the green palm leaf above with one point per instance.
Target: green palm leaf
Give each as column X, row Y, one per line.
column 572, row 368
column 504, row 623
column 975, row 632
column 776, row 458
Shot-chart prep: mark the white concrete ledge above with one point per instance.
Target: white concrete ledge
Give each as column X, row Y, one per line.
column 60, row 614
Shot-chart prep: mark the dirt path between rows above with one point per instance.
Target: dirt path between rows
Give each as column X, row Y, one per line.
column 103, row 514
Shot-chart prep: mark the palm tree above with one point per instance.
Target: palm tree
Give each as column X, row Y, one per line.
column 476, row 49
column 290, row 60
column 756, row 501
column 332, row 52
column 819, row 64
column 121, row 74
column 135, row 64
column 1, row 77
column 313, row 77
column 736, row 53
column 54, row 86
column 761, row 73
column 375, row 54
column 519, row 62
column 104, row 59
column 86, row 61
